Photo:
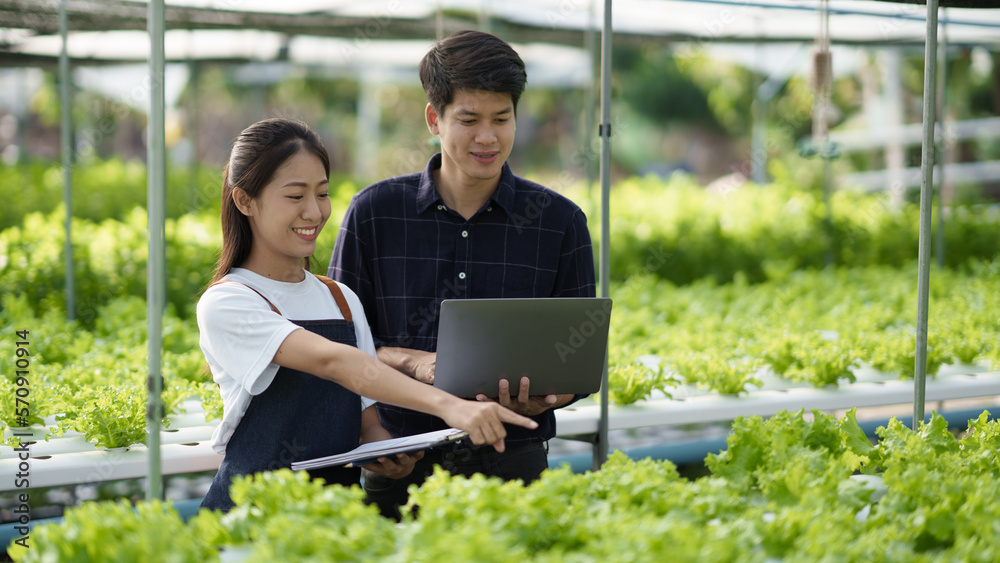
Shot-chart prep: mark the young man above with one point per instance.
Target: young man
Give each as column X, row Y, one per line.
column 465, row 227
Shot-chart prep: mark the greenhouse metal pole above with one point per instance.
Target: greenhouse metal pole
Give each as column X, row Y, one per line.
column 823, row 69
column 763, row 95
column 66, row 137
column 590, row 46
column 155, row 269
column 601, row 449
column 926, row 192
column 758, row 134
column 943, row 104
column 194, row 165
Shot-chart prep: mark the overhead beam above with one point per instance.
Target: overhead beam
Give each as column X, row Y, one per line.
column 952, row 3
column 104, row 15
column 42, row 16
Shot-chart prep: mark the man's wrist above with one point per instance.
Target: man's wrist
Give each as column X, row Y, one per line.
column 412, row 365
column 562, row 401
column 397, row 360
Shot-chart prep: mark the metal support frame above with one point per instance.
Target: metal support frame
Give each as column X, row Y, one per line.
column 763, row 95
column 926, row 193
column 601, row 448
column 369, row 123
column 941, row 142
column 66, row 138
column 194, row 166
column 156, row 265
column 821, row 125
column 590, row 45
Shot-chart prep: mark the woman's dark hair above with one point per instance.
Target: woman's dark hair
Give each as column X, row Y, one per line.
column 471, row 60
column 257, row 153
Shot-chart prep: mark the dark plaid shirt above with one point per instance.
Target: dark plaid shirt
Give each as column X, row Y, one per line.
column 403, row 251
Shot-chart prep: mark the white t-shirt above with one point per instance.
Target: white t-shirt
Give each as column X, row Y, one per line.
column 240, row 335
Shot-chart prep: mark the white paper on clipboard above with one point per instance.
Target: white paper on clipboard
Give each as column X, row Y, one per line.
column 368, row 453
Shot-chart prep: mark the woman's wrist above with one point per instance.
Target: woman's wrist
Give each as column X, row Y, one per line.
column 444, row 403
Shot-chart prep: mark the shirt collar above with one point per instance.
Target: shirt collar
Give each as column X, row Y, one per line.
column 427, row 194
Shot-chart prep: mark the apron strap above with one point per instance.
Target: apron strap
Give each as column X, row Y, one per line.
column 338, row 296
column 273, row 308
column 335, row 291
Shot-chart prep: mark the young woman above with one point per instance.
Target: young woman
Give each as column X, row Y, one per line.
column 292, row 352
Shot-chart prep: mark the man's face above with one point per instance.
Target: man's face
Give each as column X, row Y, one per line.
column 477, row 133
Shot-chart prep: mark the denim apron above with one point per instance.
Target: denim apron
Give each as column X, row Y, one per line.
column 298, row 417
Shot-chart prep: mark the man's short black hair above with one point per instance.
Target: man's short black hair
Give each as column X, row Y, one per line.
column 471, row 60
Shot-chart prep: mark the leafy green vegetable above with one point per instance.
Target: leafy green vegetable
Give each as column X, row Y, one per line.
column 211, row 402
column 111, row 416
column 635, row 381
column 116, row 533
column 283, row 516
column 716, row 371
column 783, row 490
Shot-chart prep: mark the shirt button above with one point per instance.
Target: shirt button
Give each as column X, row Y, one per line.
column 490, row 208
column 461, row 275
column 465, row 234
column 440, row 208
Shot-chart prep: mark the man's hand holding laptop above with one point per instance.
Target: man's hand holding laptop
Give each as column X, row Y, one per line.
column 420, row 366
column 526, row 403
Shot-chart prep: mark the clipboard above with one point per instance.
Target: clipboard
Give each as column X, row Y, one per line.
column 370, row 452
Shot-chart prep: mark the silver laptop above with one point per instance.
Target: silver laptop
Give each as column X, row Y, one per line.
column 559, row 343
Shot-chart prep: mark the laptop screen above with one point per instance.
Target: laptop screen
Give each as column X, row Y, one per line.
column 559, row 343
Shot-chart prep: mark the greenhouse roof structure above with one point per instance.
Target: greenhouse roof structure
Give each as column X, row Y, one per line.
column 318, row 32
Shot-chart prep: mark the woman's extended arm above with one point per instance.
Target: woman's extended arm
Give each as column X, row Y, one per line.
column 308, row 352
